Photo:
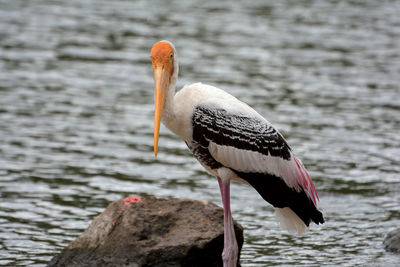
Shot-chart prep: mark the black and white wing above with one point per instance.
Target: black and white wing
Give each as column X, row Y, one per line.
column 252, row 148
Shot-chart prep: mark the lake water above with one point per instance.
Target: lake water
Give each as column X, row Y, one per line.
column 76, row 117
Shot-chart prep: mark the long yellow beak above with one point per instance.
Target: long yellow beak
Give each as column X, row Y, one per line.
column 161, row 82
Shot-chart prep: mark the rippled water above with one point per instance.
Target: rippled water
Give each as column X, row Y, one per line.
column 76, row 115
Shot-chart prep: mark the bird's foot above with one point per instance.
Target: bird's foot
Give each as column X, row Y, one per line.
column 230, row 255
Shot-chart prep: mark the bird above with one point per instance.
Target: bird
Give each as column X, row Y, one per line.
column 232, row 142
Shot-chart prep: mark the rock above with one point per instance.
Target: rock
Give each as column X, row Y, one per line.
column 392, row 241
column 148, row 231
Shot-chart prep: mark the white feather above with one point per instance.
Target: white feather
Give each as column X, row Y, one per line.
column 252, row 161
column 288, row 220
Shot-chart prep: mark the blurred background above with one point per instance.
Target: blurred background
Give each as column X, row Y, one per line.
column 76, row 117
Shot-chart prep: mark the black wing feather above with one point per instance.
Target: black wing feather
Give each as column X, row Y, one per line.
column 238, row 131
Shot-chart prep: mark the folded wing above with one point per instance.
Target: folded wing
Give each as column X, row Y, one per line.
column 251, row 147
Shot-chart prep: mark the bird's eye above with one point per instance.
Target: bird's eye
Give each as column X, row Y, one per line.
column 171, row 56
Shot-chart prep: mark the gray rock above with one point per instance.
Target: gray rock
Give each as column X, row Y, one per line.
column 392, row 241
column 148, row 231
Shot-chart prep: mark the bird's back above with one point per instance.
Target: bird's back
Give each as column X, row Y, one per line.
column 199, row 94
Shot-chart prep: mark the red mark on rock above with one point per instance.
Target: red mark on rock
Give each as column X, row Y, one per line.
column 128, row 200
column 160, row 212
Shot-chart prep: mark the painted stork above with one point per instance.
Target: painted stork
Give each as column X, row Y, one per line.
column 232, row 142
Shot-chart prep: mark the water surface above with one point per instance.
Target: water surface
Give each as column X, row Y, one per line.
column 76, row 117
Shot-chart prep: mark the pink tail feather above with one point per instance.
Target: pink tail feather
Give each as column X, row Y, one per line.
column 305, row 181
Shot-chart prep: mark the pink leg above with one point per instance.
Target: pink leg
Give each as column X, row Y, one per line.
column 230, row 253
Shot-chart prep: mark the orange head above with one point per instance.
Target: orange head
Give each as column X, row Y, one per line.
column 162, row 56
